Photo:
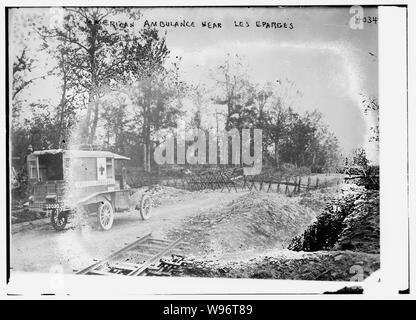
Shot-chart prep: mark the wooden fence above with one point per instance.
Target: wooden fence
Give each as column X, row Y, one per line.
column 234, row 179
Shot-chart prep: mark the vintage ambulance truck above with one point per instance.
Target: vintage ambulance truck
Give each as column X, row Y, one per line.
column 90, row 182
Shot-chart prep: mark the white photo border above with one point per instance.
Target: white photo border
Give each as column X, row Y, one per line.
column 397, row 182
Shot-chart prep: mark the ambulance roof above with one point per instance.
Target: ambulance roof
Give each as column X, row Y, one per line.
column 81, row 154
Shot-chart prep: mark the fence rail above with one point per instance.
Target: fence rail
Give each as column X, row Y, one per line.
column 234, row 179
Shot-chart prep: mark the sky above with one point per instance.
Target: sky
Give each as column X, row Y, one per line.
column 328, row 60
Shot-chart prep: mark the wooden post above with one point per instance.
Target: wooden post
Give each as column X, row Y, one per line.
column 287, row 186
column 295, row 182
column 235, row 186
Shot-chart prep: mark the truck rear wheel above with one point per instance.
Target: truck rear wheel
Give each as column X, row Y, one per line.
column 105, row 215
column 145, row 207
column 59, row 219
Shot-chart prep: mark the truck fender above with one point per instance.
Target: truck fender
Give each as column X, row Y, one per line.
column 95, row 198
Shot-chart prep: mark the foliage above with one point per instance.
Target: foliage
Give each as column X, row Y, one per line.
column 154, row 92
column 288, row 136
column 123, row 87
column 20, row 187
column 371, row 106
column 94, row 54
column 359, row 157
column 323, row 234
column 349, row 223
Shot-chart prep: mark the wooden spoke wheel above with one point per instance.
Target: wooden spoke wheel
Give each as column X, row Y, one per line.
column 105, row 215
column 145, row 207
column 59, row 219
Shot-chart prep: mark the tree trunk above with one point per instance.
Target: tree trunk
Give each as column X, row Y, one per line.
column 94, row 123
column 93, row 94
column 148, row 153
column 276, row 153
column 86, row 125
column 144, row 137
column 148, row 147
column 144, row 156
column 62, row 105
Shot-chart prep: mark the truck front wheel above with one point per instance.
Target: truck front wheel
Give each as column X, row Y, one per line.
column 59, row 219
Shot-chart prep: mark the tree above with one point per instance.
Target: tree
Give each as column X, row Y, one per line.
column 275, row 102
column 156, row 105
column 21, row 66
column 117, row 121
column 371, row 106
column 95, row 54
column 197, row 94
column 149, row 100
column 299, row 139
column 236, row 91
column 25, row 69
column 154, row 90
column 359, row 157
column 67, row 109
column 275, row 124
column 39, row 131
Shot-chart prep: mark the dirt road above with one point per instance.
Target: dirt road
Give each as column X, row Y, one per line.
column 228, row 234
column 42, row 248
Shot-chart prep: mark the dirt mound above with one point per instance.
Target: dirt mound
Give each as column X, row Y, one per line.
column 165, row 195
column 321, row 265
column 317, row 199
column 254, row 221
